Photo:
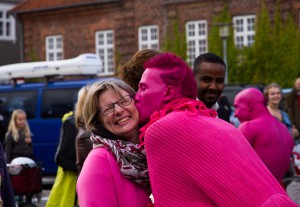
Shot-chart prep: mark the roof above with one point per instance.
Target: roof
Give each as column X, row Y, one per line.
column 42, row 5
column 11, row 1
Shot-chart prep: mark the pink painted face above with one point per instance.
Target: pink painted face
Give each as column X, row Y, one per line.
column 150, row 96
column 241, row 109
column 244, row 103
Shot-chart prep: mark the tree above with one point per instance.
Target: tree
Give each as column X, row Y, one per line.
column 215, row 44
column 274, row 56
column 177, row 44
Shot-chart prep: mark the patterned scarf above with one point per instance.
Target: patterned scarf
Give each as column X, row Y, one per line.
column 130, row 157
column 181, row 104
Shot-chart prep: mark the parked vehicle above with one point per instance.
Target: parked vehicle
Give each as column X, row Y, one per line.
column 45, row 104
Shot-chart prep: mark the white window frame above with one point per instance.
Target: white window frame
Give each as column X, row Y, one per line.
column 196, row 37
column 149, row 37
column 105, row 50
column 244, row 30
column 8, row 23
column 55, row 48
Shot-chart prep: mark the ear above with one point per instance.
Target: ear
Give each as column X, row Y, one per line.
column 250, row 106
column 169, row 93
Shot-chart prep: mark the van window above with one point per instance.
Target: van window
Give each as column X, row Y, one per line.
column 57, row 102
column 25, row 100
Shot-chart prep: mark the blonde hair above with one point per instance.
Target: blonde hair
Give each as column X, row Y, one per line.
column 12, row 127
column 82, row 94
column 90, row 110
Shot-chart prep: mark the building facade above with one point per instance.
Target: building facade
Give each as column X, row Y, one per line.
column 10, row 29
column 116, row 29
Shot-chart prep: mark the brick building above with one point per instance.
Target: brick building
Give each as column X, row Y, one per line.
column 116, row 29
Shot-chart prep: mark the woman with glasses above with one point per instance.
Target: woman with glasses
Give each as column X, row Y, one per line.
column 115, row 171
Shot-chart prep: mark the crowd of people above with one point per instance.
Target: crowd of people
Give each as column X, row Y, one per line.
column 160, row 136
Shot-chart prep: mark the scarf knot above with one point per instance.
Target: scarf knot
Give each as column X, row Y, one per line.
column 131, row 158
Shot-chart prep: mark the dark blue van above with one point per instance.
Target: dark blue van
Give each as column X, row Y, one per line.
column 45, row 104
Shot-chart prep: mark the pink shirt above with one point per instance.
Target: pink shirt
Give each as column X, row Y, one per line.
column 203, row 161
column 101, row 183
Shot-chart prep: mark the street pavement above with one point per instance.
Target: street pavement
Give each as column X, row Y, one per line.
column 47, row 185
column 45, row 195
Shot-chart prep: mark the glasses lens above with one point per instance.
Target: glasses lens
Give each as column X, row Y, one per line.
column 107, row 110
column 126, row 100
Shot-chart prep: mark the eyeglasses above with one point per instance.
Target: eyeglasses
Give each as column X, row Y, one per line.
column 108, row 109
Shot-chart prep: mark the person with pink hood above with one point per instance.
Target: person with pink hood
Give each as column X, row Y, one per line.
column 195, row 159
column 270, row 138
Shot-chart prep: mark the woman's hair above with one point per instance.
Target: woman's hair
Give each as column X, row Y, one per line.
column 12, row 127
column 91, row 106
column 132, row 71
column 82, row 94
column 267, row 88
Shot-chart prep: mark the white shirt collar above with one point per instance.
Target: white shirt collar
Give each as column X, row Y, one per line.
column 215, row 106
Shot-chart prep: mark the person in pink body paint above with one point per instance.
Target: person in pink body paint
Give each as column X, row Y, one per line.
column 195, row 159
column 270, row 139
column 115, row 172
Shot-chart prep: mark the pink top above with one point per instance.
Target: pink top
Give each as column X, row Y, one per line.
column 204, row 161
column 101, row 183
column 272, row 142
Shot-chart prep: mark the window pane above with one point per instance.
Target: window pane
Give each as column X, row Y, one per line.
column 196, row 39
column 54, row 48
column 244, row 30
column 149, row 37
column 51, row 56
column 25, row 100
column 105, row 50
column 57, row 102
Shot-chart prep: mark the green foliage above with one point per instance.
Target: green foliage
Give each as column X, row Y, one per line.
column 176, row 43
column 215, row 42
column 275, row 54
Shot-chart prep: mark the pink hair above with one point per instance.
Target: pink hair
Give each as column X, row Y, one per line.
column 178, row 73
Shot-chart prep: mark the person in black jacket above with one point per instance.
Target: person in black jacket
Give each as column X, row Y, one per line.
column 209, row 71
column 63, row 191
column 3, row 124
column 65, row 156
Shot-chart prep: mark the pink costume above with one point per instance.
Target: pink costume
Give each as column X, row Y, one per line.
column 101, row 183
column 269, row 137
column 196, row 160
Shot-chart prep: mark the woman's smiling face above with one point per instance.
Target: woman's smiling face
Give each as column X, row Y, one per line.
column 274, row 96
column 123, row 121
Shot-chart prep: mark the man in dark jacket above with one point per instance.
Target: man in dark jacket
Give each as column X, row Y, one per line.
column 209, row 71
column 66, row 153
